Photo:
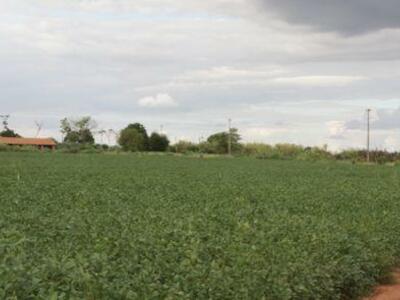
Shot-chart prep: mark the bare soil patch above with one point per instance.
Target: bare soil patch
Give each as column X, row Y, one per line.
column 388, row 291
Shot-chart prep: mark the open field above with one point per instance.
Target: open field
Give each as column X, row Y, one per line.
column 149, row 227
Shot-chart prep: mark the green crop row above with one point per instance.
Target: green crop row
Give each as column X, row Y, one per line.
column 163, row 227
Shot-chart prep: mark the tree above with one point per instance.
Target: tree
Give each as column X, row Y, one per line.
column 78, row 131
column 86, row 136
column 158, row 142
column 7, row 132
column 130, row 139
column 134, row 138
column 142, row 130
column 219, row 142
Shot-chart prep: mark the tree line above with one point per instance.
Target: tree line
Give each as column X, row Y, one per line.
column 78, row 136
column 132, row 138
column 135, row 138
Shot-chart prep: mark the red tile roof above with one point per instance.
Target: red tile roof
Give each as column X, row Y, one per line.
column 27, row 141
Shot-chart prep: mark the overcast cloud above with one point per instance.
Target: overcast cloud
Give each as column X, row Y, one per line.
column 296, row 71
column 344, row 16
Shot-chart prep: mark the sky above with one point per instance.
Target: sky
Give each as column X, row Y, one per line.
column 284, row 71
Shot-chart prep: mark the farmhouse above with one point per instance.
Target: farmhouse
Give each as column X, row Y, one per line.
column 40, row 143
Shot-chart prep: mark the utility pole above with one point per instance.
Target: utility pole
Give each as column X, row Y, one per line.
column 368, row 133
column 229, row 137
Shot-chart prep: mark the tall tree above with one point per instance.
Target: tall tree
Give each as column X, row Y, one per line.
column 219, row 142
column 158, row 142
column 7, row 132
column 142, row 130
column 78, row 131
column 134, row 138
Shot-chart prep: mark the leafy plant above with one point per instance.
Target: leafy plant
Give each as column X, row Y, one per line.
column 165, row 227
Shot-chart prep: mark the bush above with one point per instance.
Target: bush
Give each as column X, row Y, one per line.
column 279, row 151
column 314, row 154
column 23, row 148
column 158, row 142
column 288, row 150
column 257, row 149
column 4, row 148
column 79, row 148
column 184, row 147
column 376, row 156
column 206, row 147
column 351, row 154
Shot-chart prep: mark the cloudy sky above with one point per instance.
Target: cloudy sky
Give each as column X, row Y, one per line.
column 298, row 71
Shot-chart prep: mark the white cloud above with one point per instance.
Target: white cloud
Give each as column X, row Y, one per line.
column 336, row 129
column 160, row 100
column 229, row 73
column 319, row 81
column 260, row 134
column 67, row 58
column 268, row 76
column 392, row 143
column 227, row 76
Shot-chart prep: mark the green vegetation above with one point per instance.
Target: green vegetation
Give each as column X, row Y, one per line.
column 218, row 143
column 78, row 131
column 158, row 142
column 79, row 138
column 163, row 227
column 134, row 138
column 6, row 131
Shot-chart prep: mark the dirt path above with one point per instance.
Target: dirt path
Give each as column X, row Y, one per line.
column 389, row 291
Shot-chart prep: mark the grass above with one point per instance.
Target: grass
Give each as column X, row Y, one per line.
column 164, row 227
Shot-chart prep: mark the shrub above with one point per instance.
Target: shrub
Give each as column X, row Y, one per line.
column 257, row 149
column 4, row 148
column 314, row 154
column 158, row 142
column 184, row 147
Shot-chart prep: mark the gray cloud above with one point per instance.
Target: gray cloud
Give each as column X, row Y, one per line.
column 214, row 57
column 337, row 137
column 354, row 125
column 381, row 119
column 387, row 119
column 344, row 16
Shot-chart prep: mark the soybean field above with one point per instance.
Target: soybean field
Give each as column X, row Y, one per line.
column 98, row 226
